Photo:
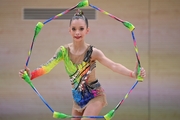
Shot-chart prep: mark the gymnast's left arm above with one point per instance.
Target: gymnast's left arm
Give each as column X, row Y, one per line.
column 116, row 67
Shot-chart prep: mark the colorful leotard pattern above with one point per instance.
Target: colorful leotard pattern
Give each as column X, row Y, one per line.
column 82, row 91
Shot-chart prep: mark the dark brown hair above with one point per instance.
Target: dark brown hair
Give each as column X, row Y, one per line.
column 79, row 15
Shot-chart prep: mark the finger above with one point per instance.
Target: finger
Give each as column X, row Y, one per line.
column 27, row 69
column 142, row 70
column 21, row 72
column 143, row 73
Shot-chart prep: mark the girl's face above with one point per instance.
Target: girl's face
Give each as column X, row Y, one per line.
column 78, row 29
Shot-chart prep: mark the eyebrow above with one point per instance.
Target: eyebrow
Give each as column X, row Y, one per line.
column 79, row 26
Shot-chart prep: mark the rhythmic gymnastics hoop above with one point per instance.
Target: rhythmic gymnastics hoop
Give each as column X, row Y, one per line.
column 83, row 3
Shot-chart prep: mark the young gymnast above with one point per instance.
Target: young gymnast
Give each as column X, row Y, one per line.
column 80, row 62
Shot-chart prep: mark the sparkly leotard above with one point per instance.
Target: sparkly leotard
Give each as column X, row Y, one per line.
column 85, row 87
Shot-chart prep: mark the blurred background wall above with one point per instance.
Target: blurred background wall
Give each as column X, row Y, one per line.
column 157, row 32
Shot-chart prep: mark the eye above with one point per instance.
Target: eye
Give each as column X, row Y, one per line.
column 81, row 29
column 73, row 29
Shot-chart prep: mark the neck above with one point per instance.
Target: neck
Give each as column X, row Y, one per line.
column 77, row 48
column 79, row 45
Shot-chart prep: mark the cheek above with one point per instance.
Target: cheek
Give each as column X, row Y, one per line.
column 71, row 32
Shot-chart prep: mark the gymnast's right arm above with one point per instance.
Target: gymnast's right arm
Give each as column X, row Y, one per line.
column 45, row 68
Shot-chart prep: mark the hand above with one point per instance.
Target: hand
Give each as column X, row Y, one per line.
column 21, row 72
column 142, row 72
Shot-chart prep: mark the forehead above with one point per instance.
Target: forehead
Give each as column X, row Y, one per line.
column 78, row 22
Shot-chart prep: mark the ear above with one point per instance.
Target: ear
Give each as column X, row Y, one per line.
column 69, row 30
column 88, row 29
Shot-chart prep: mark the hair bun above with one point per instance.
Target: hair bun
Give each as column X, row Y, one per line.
column 79, row 13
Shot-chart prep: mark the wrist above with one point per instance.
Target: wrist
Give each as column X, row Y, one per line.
column 132, row 74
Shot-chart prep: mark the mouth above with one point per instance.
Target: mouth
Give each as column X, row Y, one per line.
column 77, row 37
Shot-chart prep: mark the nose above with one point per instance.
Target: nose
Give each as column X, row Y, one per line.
column 77, row 32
